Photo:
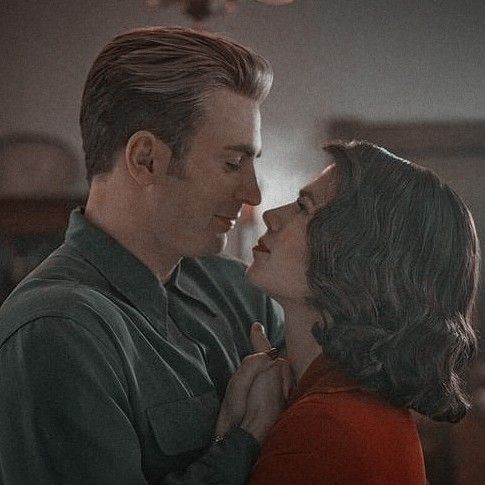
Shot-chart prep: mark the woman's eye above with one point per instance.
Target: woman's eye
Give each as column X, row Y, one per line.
column 301, row 205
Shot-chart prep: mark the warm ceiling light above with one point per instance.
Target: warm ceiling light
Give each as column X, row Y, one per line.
column 200, row 10
column 275, row 2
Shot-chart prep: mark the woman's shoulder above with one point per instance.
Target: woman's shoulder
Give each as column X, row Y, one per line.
column 352, row 407
column 322, row 420
column 349, row 435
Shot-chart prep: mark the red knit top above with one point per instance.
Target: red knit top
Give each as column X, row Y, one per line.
column 336, row 433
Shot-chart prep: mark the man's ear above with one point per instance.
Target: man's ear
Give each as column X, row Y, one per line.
column 146, row 158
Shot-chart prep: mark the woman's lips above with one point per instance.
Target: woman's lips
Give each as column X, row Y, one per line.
column 261, row 247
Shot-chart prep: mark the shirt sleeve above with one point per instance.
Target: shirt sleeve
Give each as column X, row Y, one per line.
column 227, row 462
column 64, row 412
column 65, row 416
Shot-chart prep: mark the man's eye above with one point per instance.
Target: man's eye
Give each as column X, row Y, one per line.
column 234, row 164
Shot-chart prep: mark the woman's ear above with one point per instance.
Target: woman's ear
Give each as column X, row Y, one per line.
column 146, row 158
column 328, row 320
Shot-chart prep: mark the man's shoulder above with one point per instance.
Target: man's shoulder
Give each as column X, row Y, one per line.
column 42, row 298
column 62, row 282
column 44, row 293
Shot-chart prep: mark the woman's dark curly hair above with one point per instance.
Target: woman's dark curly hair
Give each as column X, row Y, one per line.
column 394, row 259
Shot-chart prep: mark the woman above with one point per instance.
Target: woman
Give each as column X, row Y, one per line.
column 376, row 267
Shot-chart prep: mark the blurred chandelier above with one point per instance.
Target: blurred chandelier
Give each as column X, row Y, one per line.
column 200, row 10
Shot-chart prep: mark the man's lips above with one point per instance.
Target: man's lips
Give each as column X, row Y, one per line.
column 229, row 222
column 261, row 246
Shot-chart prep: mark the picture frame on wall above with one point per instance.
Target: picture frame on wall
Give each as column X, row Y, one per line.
column 39, row 180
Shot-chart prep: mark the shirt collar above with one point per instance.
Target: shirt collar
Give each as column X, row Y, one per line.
column 120, row 268
column 322, row 376
column 183, row 280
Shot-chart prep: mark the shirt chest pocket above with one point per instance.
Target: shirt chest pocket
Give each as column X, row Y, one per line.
column 184, row 425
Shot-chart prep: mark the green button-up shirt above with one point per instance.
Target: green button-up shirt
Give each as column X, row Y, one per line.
column 108, row 377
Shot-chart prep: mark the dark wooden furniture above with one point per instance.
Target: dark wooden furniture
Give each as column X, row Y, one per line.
column 29, row 230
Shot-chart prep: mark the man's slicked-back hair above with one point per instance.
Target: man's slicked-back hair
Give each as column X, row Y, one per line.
column 157, row 79
column 394, row 259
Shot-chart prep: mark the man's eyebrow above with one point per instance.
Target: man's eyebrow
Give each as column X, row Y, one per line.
column 243, row 148
column 308, row 194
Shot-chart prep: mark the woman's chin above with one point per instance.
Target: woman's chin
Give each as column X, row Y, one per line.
column 263, row 280
column 257, row 276
column 252, row 274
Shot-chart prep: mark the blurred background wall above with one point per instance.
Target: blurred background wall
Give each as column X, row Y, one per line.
column 378, row 59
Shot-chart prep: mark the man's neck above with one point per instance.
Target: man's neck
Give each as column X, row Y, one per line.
column 124, row 226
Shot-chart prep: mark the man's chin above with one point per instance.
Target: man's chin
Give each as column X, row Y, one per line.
column 215, row 245
column 220, row 243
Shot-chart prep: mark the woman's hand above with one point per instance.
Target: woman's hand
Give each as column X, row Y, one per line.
column 266, row 400
column 257, row 391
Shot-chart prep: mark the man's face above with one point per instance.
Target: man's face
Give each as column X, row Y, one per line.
column 191, row 215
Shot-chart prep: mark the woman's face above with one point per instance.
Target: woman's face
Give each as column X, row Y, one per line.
column 279, row 266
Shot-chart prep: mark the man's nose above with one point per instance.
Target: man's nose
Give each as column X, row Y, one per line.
column 249, row 191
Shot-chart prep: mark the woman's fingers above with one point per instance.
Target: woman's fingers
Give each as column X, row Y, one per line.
column 258, row 337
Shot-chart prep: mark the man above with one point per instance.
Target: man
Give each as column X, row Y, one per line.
column 117, row 350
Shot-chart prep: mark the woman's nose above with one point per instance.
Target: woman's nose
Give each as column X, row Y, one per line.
column 269, row 219
column 273, row 218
